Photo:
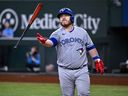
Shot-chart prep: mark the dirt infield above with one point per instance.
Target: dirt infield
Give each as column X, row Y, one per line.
column 106, row 79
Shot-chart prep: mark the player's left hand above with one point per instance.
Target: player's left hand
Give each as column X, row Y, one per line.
column 99, row 66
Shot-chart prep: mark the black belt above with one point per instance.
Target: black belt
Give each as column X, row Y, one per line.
column 72, row 68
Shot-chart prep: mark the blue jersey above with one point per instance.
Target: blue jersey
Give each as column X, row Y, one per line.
column 72, row 46
column 31, row 61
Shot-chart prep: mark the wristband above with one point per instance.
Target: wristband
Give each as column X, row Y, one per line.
column 96, row 57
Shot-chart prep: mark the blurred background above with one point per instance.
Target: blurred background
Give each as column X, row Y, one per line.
column 106, row 21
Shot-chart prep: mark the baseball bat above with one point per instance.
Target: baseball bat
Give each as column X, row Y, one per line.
column 35, row 14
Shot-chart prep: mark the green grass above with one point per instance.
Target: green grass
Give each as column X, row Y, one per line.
column 43, row 89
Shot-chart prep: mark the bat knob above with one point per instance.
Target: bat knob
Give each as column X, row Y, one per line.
column 15, row 47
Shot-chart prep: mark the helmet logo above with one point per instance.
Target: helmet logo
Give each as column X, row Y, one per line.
column 63, row 9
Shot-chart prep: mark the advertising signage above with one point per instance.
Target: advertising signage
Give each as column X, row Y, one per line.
column 89, row 14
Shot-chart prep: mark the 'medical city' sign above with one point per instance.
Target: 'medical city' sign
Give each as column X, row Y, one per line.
column 91, row 21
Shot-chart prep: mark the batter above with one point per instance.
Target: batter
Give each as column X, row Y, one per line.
column 72, row 44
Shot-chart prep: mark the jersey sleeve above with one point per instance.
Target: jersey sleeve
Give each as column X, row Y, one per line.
column 54, row 37
column 89, row 43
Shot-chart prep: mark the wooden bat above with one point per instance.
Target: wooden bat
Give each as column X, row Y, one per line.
column 35, row 14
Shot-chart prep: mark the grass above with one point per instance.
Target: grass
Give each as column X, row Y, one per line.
column 45, row 89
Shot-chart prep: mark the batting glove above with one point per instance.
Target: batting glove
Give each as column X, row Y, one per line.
column 41, row 39
column 99, row 66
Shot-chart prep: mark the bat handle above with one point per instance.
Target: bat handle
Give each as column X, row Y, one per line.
column 16, row 45
column 18, row 42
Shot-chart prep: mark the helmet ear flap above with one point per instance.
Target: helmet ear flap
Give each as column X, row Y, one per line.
column 72, row 19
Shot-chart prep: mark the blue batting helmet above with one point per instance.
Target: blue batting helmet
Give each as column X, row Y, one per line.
column 66, row 11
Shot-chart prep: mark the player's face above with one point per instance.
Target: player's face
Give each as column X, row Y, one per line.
column 65, row 20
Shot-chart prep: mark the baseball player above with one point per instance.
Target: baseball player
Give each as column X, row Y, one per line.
column 72, row 44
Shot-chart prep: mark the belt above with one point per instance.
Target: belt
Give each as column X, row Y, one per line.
column 72, row 68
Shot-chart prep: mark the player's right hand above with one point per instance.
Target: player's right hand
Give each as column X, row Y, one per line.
column 41, row 39
column 99, row 66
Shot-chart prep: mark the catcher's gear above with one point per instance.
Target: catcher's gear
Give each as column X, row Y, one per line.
column 41, row 39
column 99, row 66
column 66, row 11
